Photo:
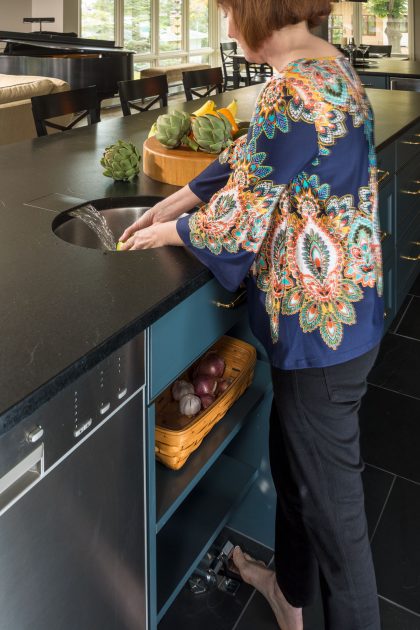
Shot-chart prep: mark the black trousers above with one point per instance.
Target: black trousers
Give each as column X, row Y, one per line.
column 316, row 468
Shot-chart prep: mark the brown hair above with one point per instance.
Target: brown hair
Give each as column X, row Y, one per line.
column 257, row 19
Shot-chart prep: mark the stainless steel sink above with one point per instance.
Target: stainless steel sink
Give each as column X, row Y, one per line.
column 118, row 212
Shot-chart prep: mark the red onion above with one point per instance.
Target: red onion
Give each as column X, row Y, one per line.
column 189, row 405
column 211, row 365
column 222, row 385
column 207, row 400
column 204, row 385
column 181, row 388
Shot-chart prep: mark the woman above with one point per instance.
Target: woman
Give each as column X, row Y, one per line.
column 291, row 210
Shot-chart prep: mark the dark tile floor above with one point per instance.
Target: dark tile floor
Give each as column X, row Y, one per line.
column 390, row 443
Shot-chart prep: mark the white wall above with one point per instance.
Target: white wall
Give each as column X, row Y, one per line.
column 11, row 14
column 48, row 8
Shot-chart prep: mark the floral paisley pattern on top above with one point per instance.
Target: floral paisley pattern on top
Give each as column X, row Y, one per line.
column 315, row 250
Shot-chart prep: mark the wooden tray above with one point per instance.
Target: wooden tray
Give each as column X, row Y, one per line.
column 177, row 436
column 173, row 166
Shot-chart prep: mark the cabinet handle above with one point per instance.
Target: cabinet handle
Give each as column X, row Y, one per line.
column 384, row 235
column 409, row 142
column 235, row 303
column 384, row 175
column 415, row 258
column 386, row 313
column 410, row 192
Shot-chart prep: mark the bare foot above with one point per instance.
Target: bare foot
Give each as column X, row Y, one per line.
column 255, row 573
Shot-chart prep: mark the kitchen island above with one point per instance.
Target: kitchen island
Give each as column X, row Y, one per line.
column 69, row 312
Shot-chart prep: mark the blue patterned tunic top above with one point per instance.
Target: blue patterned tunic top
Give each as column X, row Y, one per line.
column 292, row 210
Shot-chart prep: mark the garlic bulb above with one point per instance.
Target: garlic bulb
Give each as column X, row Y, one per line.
column 181, row 388
column 189, row 405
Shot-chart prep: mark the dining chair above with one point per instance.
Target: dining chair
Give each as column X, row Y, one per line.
column 133, row 92
column 201, row 83
column 227, row 49
column 403, row 83
column 83, row 102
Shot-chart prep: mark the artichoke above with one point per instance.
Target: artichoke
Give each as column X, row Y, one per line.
column 171, row 128
column 212, row 133
column 121, row 161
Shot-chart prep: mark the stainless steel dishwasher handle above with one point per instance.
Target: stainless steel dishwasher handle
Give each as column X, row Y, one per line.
column 20, row 477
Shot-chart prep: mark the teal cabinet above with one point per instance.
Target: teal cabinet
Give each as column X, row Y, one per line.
column 189, row 507
column 374, row 81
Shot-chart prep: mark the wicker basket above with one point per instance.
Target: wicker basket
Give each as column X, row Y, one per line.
column 177, row 436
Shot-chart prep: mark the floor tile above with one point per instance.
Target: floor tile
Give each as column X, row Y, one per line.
column 398, row 365
column 214, row 609
column 390, row 432
column 415, row 289
column 396, row 547
column 410, row 323
column 376, row 484
column 398, row 317
column 394, row 618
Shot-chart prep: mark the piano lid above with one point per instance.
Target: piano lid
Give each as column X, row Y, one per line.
column 59, row 41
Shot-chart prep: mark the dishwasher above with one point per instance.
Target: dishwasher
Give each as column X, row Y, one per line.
column 72, row 505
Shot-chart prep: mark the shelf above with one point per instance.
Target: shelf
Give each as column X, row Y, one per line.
column 186, row 537
column 173, row 486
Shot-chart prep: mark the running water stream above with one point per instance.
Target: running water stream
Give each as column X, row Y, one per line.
column 96, row 222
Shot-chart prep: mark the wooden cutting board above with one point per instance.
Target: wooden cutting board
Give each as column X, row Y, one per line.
column 173, row 166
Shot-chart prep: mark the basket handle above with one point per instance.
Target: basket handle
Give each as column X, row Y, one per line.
column 239, row 299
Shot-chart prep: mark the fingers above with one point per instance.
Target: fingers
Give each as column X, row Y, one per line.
column 137, row 225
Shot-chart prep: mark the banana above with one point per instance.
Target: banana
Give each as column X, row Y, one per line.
column 208, row 108
column 233, row 107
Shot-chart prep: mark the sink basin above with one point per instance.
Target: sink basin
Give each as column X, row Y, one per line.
column 118, row 212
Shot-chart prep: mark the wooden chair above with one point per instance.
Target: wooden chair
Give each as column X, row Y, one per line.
column 131, row 92
column 227, row 49
column 201, row 83
column 403, row 83
column 83, row 102
column 383, row 50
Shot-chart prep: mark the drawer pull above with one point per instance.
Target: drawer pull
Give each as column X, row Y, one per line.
column 384, row 236
column 384, row 175
column 410, row 192
column 235, row 303
column 409, row 142
column 415, row 258
column 386, row 313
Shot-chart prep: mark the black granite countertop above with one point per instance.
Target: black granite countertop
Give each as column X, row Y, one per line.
column 63, row 308
column 390, row 67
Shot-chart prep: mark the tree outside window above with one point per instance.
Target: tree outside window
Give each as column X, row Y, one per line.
column 97, row 19
column 393, row 14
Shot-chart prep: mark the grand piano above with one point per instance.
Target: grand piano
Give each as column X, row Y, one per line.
column 80, row 62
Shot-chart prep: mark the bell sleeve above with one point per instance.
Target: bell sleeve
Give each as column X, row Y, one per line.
column 226, row 234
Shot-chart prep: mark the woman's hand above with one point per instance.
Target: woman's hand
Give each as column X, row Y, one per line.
column 155, row 235
column 166, row 210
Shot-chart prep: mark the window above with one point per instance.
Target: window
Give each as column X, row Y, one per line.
column 160, row 32
column 375, row 22
column 336, row 29
column 138, row 25
column 97, row 18
column 369, row 25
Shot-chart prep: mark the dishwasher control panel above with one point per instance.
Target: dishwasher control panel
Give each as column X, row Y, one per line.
column 80, row 407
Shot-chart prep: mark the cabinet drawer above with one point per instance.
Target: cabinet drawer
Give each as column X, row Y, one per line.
column 408, row 258
column 408, row 146
column 386, row 164
column 182, row 335
column 387, row 219
column 407, row 196
column 374, row 81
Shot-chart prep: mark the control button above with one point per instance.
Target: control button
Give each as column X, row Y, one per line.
column 104, row 408
column 122, row 393
column 34, row 435
column 82, row 428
